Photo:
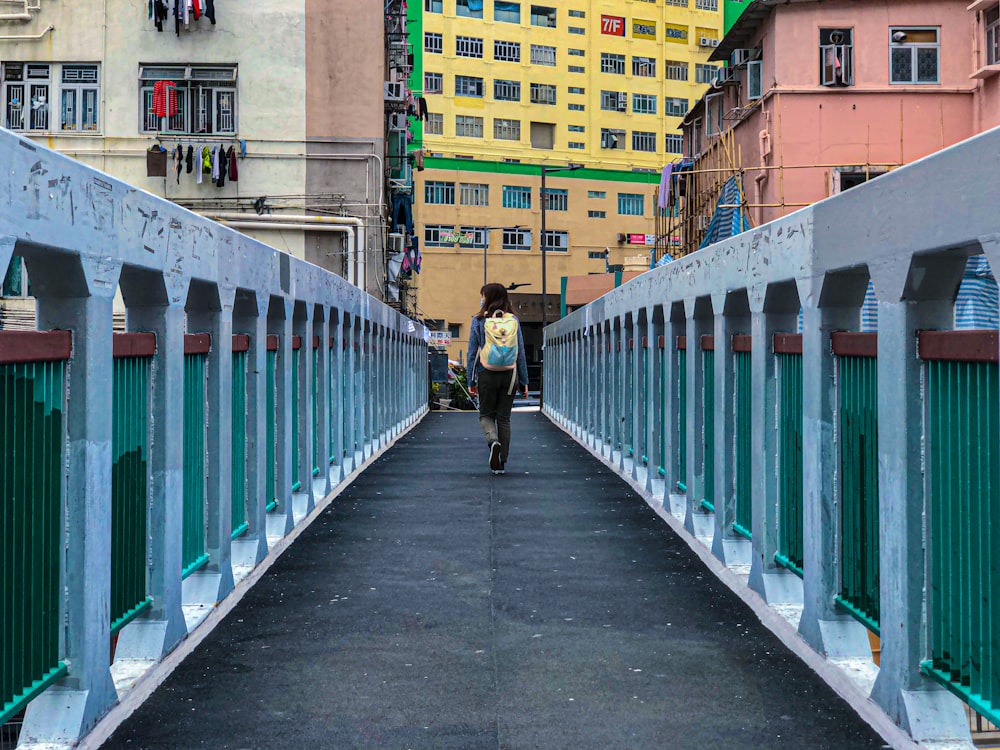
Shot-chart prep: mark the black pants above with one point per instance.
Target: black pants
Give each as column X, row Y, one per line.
column 496, row 399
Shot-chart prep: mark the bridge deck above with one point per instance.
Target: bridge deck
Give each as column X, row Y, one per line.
column 434, row 605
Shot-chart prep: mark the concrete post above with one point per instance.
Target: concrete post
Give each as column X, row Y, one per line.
column 303, row 499
column 337, row 399
column 724, row 546
column 321, row 328
column 699, row 323
column 674, row 327
column 281, row 521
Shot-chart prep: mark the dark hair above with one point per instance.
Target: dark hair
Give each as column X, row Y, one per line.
column 494, row 298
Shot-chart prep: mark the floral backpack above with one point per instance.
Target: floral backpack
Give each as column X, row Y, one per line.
column 500, row 350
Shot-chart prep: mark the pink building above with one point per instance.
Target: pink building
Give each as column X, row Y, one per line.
column 820, row 96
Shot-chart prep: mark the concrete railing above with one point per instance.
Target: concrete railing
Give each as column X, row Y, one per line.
column 805, row 465
column 177, row 458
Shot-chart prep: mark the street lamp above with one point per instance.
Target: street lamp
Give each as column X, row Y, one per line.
column 545, row 299
column 486, row 246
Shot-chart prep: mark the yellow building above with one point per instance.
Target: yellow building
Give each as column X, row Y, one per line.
column 513, row 86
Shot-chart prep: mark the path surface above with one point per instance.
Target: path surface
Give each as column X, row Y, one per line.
column 434, row 605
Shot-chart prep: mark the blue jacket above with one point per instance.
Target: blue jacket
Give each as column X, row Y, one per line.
column 477, row 339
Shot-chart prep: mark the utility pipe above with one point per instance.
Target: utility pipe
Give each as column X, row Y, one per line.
column 23, row 37
column 274, row 225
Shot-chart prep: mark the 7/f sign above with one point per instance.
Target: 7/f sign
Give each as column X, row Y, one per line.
column 613, row 25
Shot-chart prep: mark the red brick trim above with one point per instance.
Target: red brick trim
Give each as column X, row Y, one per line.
column 133, row 345
column 958, row 346
column 846, row 344
column 788, row 343
column 35, row 346
column 197, row 343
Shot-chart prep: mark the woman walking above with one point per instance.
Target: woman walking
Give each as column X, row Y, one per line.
column 496, row 369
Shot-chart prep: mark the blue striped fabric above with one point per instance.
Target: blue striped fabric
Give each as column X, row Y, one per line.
column 869, row 311
column 976, row 305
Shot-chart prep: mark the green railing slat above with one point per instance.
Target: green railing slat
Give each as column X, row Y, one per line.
column 662, row 452
column 295, row 419
column 193, row 545
column 744, row 430
column 239, row 453
column 708, row 424
column 790, row 545
column 682, row 418
column 270, row 482
column 315, row 414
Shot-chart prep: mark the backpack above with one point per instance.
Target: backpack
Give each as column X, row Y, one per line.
column 499, row 351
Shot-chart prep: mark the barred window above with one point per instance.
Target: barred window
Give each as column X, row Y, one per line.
column 543, row 93
column 474, row 194
column 555, row 241
column 467, row 126
column 704, row 73
column 673, row 143
column 577, row 129
column 679, row 3
column 597, row 215
column 516, row 239
column 631, row 204
column 506, row 130
column 433, row 6
column 576, row 90
column 468, row 46
column 543, row 55
column 643, row 141
column 674, row 106
column 468, row 86
column 557, row 199
column 439, row 193
column 506, row 51
column 611, row 63
column 598, row 194
column 644, row 104
column 206, row 98
column 516, row 196
column 433, row 83
column 435, row 235
column 435, row 124
column 507, row 91
column 577, row 14
column 433, row 43
column 675, row 70
column 644, row 67
column 576, row 52
column 614, row 101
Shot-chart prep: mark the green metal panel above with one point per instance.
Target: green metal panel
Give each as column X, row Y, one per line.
column 347, row 438
column 644, row 397
column 296, row 485
column 708, row 425
column 315, row 414
column 628, row 400
column 859, row 536
column 964, row 514
column 662, row 451
column 31, row 405
column 239, row 454
column 682, row 419
column 331, row 396
column 271, row 458
column 744, row 429
column 129, row 477
column 193, row 554
column 790, row 552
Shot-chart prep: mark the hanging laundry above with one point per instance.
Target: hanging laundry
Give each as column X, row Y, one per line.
column 223, row 165
column 210, row 10
column 178, row 161
column 160, row 13
column 206, row 160
column 189, row 160
column 196, row 5
column 164, row 98
column 422, row 107
column 243, row 148
column 215, row 166
column 177, row 16
column 200, row 169
column 234, row 174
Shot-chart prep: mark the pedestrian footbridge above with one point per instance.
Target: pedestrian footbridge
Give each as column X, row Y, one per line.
column 240, row 506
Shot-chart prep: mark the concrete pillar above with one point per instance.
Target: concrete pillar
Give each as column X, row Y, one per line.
column 337, row 399
column 279, row 323
column 357, row 376
column 699, row 319
column 651, row 399
column 728, row 321
column 638, row 397
column 303, row 499
column 321, row 329
column 82, row 303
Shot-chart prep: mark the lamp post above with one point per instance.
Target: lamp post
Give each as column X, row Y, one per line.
column 541, row 240
column 486, row 247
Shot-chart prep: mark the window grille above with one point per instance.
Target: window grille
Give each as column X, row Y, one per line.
column 467, row 126
column 914, row 55
column 474, row 194
column 543, row 55
column 517, row 239
column 674, row 106
column 643, row 141
column 206, row 99
column 673, row 143
column 611, row 63
column 557, row 199
column 631, row 204
column 704, row 73
column 435, row 124
column 439, row 193
column 507, row 130
column 543, row 93
column 644, row 104
column 433, row 83
column 468, row 86
column 676, row 70
column 644, row 67
column 433, row 43
column 556, row 241
column 516, row 196
column 507, row 91
column 506, row 51
column 468, row 46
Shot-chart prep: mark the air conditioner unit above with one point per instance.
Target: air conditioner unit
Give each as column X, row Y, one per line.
column 395, row 91
column 622, row 101
column 714, row 43
column 397, row 122
column 741, row 56
column 622, row 237
column 396, row 245
column 704, row 41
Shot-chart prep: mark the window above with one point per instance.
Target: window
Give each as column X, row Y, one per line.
column 674, row 106
column 704, row 73
column 991, row 23
column 433, row 43
column 474, row 237
column 469, row 86
column 507, row 91
column 577, row 14
column 542, row 55
column 543, row 93
column 506, row 51
column 755, row 79
column 557, row 199
column 614, row 101
column 696, row 136
column 612, row 63
column 644, row 104
column 613, row 139
column 515, row 196
column 433, row 83
column 506, row 12
column 644, row 67
column 467, row 126
column 576, row 146
column 516, row 239
column 643, row 141
column 576, row 107
column 680, row 3
column 599, row 194
column 555, row 241
column 577, row 129
column 468, row 46
column 597, row 255
column 631, row 204
column 435, row 124
column 474, row 194
column 712, row 5
column 676, row 70
column 576, row 69
column 507, row 130
column 206, row 99
column 578, row 30
column 439, row 193
column 597, row 215
column 836, row 57
column 31, row 88
column 714, row 106
column 469, row 8
column 543, row 135
column 455, row 330
column 913, row 55
column 432, row 6
column 543, row 16
column 673, row 143
column 576, row 52
column 435, row 235
column 576, row 90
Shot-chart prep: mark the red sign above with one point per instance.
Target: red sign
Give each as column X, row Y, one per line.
column 613, row 25
column 637, row 239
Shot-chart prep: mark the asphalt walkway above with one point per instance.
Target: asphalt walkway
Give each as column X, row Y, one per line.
column 433, row 605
